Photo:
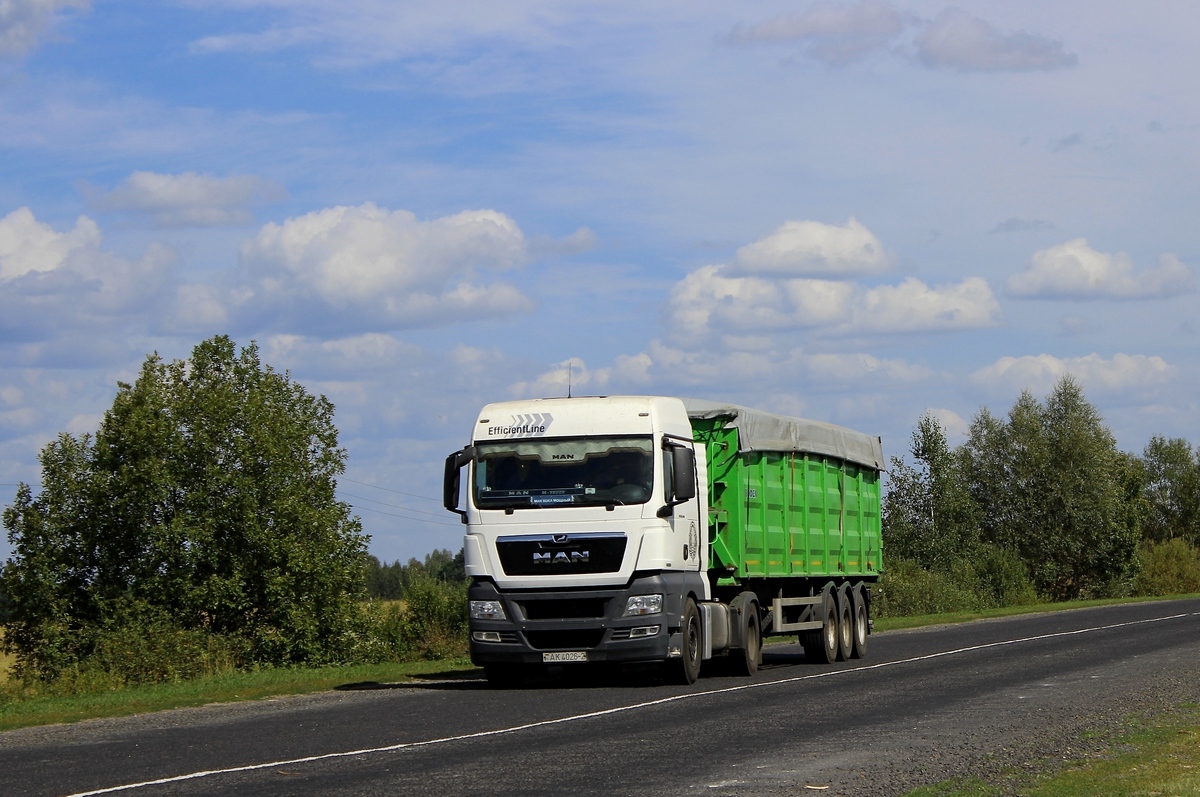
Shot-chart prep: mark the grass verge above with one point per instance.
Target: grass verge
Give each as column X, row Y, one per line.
column 1156, row 756
column 226, row 688
column 18, row 711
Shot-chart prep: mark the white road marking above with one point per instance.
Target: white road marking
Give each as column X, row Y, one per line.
column 618, row 710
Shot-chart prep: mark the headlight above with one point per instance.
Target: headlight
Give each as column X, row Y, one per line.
column 638, row 605
column 487, row 610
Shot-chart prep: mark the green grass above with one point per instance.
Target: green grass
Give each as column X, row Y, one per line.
column 44, row 709
column 1156, row 757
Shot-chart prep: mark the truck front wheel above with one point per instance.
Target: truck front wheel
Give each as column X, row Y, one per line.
column 751, row 653
column 688, row 668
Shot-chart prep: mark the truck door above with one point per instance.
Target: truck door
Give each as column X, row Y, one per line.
column 686, row 531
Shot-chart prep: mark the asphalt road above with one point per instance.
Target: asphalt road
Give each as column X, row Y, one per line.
column 924, row 705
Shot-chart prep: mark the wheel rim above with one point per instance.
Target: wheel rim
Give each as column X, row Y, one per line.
column 831, row 629
column 693, row 640
column 754, row 642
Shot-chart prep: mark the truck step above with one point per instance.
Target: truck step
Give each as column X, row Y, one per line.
column 778, row 626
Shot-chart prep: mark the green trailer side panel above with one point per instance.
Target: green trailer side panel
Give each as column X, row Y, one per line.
column 778, row 514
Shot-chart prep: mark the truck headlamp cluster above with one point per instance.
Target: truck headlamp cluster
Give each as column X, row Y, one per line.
column 487, row 610
column 639, row 605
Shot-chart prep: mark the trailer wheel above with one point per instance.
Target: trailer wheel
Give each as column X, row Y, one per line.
column 845, row 635
column 861, row 625
column 688, row 669
column 822, row 646
column 504, row 676
column 751, row 655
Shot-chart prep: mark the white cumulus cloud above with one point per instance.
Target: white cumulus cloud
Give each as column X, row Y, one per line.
column 706, row 301
column 1074, row 270
column 373, row 267
column 27, row 244
column 340, row 356
column 814, row 249
column 913, row 306
column 767, row 289
column 662, row 367
column 23, row 23
column 957, row 40
column 1123, row 373
column 188, row 199
column 834, row 33
column 840, row 33
column 54, row 282
column 570, row 375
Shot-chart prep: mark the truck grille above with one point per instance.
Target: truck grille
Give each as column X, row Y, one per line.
column 561, row 554
column 564, row 609
column 571, row 639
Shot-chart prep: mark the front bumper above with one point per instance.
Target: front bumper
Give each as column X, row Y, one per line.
column 577, row 621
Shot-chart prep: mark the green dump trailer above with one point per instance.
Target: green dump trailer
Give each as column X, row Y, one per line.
column 651, row 529
column 794, row 516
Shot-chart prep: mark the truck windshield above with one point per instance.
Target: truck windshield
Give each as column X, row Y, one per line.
column 576, row 471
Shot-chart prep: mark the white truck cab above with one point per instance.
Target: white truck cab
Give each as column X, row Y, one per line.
column 584, row 536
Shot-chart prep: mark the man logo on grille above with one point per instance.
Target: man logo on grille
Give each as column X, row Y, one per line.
column 560, row 557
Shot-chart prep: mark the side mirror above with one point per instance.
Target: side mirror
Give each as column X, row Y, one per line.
column 451, row 479
column 684, row 462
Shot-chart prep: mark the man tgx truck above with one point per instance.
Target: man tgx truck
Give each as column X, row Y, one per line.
column 650, row 529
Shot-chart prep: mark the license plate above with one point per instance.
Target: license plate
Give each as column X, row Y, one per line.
column 565, row 655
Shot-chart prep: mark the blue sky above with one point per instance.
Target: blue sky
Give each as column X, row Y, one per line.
column 857, row 212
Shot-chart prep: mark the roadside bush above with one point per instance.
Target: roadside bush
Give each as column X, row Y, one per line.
column 430, row 623
column 991, row 578
column 907, row 589
column 1002, row 579
column 1167, row 568
column 164, row 655
column 435, row 618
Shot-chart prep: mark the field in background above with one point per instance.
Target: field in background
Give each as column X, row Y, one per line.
column 6, row 663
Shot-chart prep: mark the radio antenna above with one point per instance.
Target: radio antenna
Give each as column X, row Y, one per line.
column 568, row 378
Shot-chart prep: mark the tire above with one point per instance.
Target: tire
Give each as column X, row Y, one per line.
column 688, row 668
column 504, row 676
column 862, row 626
column 746, row 661
column 822, row 646
column 845, row 636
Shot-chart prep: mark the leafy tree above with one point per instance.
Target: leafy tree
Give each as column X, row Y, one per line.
column 1053, row 487
column 392, row 581
column 384, row 581
column 204, row 502
column 1172, row 469
column 929, row 516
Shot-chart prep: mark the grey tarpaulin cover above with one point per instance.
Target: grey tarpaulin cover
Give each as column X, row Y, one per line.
column 764, row 431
